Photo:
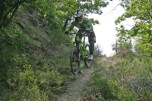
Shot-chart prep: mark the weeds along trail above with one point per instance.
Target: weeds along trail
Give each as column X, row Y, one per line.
column 127, row 79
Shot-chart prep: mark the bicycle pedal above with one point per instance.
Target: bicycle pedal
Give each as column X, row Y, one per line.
column 76, row 59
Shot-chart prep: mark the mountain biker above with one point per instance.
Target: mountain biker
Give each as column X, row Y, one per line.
column 84, row 24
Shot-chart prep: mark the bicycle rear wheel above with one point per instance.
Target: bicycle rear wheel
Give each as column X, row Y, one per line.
column 74, row 61
column 87, row 61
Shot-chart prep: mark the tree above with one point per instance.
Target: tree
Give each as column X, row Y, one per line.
column 141, row 12
column 86, row 6
column 123, row 45
column 8, row 8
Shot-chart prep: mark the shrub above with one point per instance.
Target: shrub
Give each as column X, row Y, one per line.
column 110, row 89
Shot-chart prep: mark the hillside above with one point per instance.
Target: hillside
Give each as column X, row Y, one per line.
column 123, row 79
column 34, row 53
column 34, row 60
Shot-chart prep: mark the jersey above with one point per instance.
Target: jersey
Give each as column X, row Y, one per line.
column 83, row 25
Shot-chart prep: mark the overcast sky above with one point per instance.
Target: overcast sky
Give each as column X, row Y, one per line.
column 106, row 30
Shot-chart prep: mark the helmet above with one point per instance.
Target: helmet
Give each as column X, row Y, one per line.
column 78, row 16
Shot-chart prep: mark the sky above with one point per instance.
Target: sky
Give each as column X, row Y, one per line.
column 106, row 30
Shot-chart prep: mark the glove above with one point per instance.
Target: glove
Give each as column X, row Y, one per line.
column 67, row 33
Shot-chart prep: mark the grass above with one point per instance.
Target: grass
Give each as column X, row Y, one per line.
column 34, row 60
column 127, row 80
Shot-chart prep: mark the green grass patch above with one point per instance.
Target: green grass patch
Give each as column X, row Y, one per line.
column 128, row 80
column 110, row 89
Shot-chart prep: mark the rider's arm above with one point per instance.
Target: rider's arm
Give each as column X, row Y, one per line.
column 88, row 25
column 89, row 29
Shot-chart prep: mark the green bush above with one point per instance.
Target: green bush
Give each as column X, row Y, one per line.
column 128, row 74
column 34, row 59
column 23, row 85
column 12, row 53
column 110, row 89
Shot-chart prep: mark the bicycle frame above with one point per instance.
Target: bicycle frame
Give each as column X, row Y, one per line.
column 79, row 53
column 83, row 51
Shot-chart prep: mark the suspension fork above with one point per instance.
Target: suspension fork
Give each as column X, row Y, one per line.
column 82, row 50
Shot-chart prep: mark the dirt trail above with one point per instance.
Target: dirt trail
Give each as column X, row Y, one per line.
column 81, row 87
column 76, row 89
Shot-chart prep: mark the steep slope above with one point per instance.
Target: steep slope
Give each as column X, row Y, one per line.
column 34, row 60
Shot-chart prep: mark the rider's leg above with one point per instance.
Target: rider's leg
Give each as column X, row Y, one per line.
column 91, row 48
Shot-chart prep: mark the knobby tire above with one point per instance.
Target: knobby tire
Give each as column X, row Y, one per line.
column 87, row 61
column 74, row 65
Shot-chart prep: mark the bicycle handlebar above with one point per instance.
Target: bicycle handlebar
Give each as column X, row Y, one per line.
column 84, row 34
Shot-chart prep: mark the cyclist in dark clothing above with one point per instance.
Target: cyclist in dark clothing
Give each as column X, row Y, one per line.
column 84, row 24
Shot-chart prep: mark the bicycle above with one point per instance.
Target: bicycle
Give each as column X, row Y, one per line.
column 79, row 53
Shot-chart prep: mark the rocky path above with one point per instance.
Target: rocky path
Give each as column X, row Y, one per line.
column 76, row 89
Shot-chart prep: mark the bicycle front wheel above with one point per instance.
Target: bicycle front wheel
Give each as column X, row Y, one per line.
column 87, row 61
column 74, row 61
